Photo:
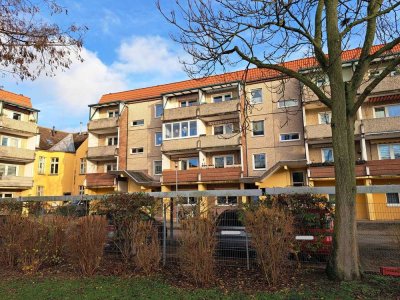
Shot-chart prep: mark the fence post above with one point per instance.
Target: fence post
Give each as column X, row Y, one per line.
column 164, row 234
column 247, row 253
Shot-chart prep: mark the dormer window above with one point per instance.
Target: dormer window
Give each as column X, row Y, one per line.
column 17, row 116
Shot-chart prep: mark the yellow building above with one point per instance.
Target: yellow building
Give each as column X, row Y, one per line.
column 60, row 164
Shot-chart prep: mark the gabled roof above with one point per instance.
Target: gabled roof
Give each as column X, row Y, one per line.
column 56, row 140
column 15, row 98
column 281, row 164
column 251, row 76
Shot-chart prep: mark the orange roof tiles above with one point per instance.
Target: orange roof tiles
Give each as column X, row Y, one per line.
column 386, row 98
column 252, row 75
column 15, row 98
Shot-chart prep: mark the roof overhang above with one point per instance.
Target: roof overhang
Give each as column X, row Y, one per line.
column 207, row 88
column 20, row 106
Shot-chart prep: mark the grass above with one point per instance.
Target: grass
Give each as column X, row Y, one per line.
column 373, row 287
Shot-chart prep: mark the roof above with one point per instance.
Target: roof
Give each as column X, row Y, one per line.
column 386, row 98
column 49, row 138
column 138, row 177
column 290, row 163
column 15, row 98
column 252, row 75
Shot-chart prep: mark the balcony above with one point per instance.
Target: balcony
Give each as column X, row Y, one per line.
column 20, row 128
column 103, row 126
column 180, row 144
column 324, row 131
column 102, row 153
column 202, row 175
column 13, row 154
column 381, row 125
column 387, row 84
column 180, row 113
column 226, row 107
column 225, row 140
column 16, row 182
column 99, row 180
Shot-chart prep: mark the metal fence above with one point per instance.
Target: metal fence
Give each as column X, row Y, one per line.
column 378, row 224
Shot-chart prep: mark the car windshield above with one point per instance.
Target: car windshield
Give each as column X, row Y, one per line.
column 229, row 218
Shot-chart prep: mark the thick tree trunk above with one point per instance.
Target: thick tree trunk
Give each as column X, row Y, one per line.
column 344, row 263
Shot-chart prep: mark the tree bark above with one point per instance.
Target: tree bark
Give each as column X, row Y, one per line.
column 344, row 262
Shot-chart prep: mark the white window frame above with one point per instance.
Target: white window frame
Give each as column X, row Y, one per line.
column 329, row 113
column 82, row 166
column 113, row 137
column 113, row 167
column 180, row 130
column 187, row 102
column 224, row 156
column 9, row 138
column 40, row 190
column 6, row 167
column 226, row 201
column 114, row 113
column 155, row 110
column 3, row 195
column 41, row 165
column 19, row 118
column 81, row 190
column 251, row 95
column 377, row 71
column 137, row 125
column 252, row 128
column 155, row 138
column 223, row 95
column 386, row 110
column 320, row 82
column 284, row 101
column 54, row 161
column 291, row 140
column 254, row 161
column 137, row 152
column 392, row 204
column 186, row 201
column 187, row 163
column 154, row 167
column 224, row 126
column 391, row 150
column 323, row 156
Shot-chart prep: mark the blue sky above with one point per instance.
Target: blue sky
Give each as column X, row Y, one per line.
column 127, row 46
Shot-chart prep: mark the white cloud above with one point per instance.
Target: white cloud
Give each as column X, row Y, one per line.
column 109, row 20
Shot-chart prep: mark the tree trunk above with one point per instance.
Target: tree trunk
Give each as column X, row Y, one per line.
column 344, row 262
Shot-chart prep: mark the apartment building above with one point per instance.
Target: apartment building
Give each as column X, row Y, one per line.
column 18, row 130
column 60, row 163
column 223, row 133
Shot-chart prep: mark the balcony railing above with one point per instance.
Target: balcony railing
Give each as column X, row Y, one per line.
column 180, row 113
column 102, row 152
column 389, row 83
column 16, row 182
column 209, row 174
column 96, row 180
column 324, row 131
column 104, row 125
column 381, row 125
column 16, row 154
column 17, row 127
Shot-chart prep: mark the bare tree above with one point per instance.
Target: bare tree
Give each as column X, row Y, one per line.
column 265, row 34
column 29, row 44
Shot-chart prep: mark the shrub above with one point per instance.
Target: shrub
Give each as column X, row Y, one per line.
column 10, row 229
column 197, row 248
column 271, row 230
column 56, row 234
column 86, row 238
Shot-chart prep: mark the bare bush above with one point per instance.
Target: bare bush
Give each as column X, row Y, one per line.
column 146, row 246
column 56, row 234
column 10, row 229
column 196, row 253
column 271, row 230
column 86, row 238
column 396, row 235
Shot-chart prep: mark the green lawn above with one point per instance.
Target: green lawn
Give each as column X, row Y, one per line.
column 374, row 287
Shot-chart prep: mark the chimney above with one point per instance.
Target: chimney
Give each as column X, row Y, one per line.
column 80, row 130
column 53, row 131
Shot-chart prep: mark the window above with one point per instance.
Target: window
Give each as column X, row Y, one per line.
column 40, row 190
column 392, row 199
column 6, row 195
column 82, row 166
column 256, row 96
column 327, row 155
column 223, row 129
column 112, row 113
column 81, row 190
column 288, row 103
column 157, row 164
column 289, row 137
column 321, row 82
column 387, row 111
column 188, row 200
column 54, row 165
column 258, row 128
column 17, row 116
column 187, row 103
column 222, row 98
column 227, row 200
column 10, row 141
column 138, row 123
column 8, row 170
column 223, row 161
column 389, row 151
column 298, row 178
column 259, row 162
column 158, row 138
column 112, row 141
column 158, row 108
column 180, row 130
column 325, row 117
column 110, row 167
column 41, row 164
column 374, row 73
column 138, row 150
column 190, row 163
